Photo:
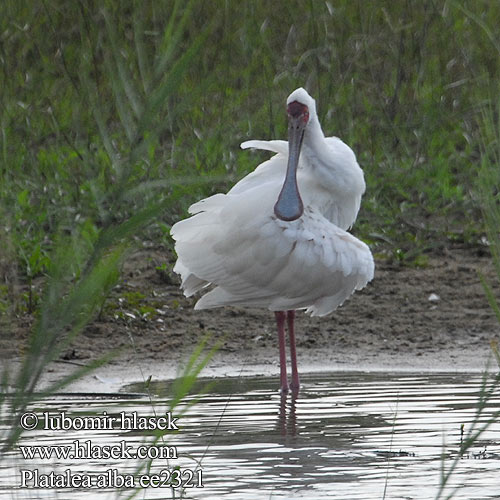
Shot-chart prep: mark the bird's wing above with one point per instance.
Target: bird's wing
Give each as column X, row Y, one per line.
column 280, row 147
column 341, row 148
column 211, row 204
column 271, row 171
column 259, row 260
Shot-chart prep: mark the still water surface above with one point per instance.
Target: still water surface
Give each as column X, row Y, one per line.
column 347, row 436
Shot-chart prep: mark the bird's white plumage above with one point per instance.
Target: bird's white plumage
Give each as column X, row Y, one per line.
column 235, row 242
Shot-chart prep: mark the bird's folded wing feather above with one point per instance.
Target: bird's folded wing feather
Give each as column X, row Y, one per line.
column 262, row 261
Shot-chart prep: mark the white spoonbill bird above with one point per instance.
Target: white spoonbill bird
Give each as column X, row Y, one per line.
column 278, row 238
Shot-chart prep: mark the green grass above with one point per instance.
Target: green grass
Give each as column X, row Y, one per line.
column 74, row 201
column 126, row 103
column 121, row 114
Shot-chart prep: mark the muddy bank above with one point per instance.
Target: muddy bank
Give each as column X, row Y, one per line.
column 428, row 318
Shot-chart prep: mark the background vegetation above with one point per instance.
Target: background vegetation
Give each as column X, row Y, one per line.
column 115, row 116
column 118, row 110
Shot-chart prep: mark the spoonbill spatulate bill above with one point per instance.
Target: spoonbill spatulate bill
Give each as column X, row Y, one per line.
column 278, row 239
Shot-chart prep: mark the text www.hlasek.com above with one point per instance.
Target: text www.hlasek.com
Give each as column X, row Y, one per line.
column 84, row 450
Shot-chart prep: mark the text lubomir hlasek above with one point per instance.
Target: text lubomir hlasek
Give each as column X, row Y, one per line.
column 125, row 421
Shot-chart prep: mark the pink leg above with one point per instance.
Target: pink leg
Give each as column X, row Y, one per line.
column 295, row 385
column 280, row 321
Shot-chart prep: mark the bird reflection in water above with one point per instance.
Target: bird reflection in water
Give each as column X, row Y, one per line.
column 286, row 423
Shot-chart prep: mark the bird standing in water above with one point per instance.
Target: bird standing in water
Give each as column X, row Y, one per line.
column 278, row 239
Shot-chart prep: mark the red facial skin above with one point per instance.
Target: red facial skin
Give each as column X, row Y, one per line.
column 297, row 110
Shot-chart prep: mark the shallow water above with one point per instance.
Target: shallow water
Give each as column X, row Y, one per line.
column 347, row 436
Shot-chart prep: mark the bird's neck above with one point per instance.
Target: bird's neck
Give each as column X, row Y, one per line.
column 331, row 178
column 314, row 137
